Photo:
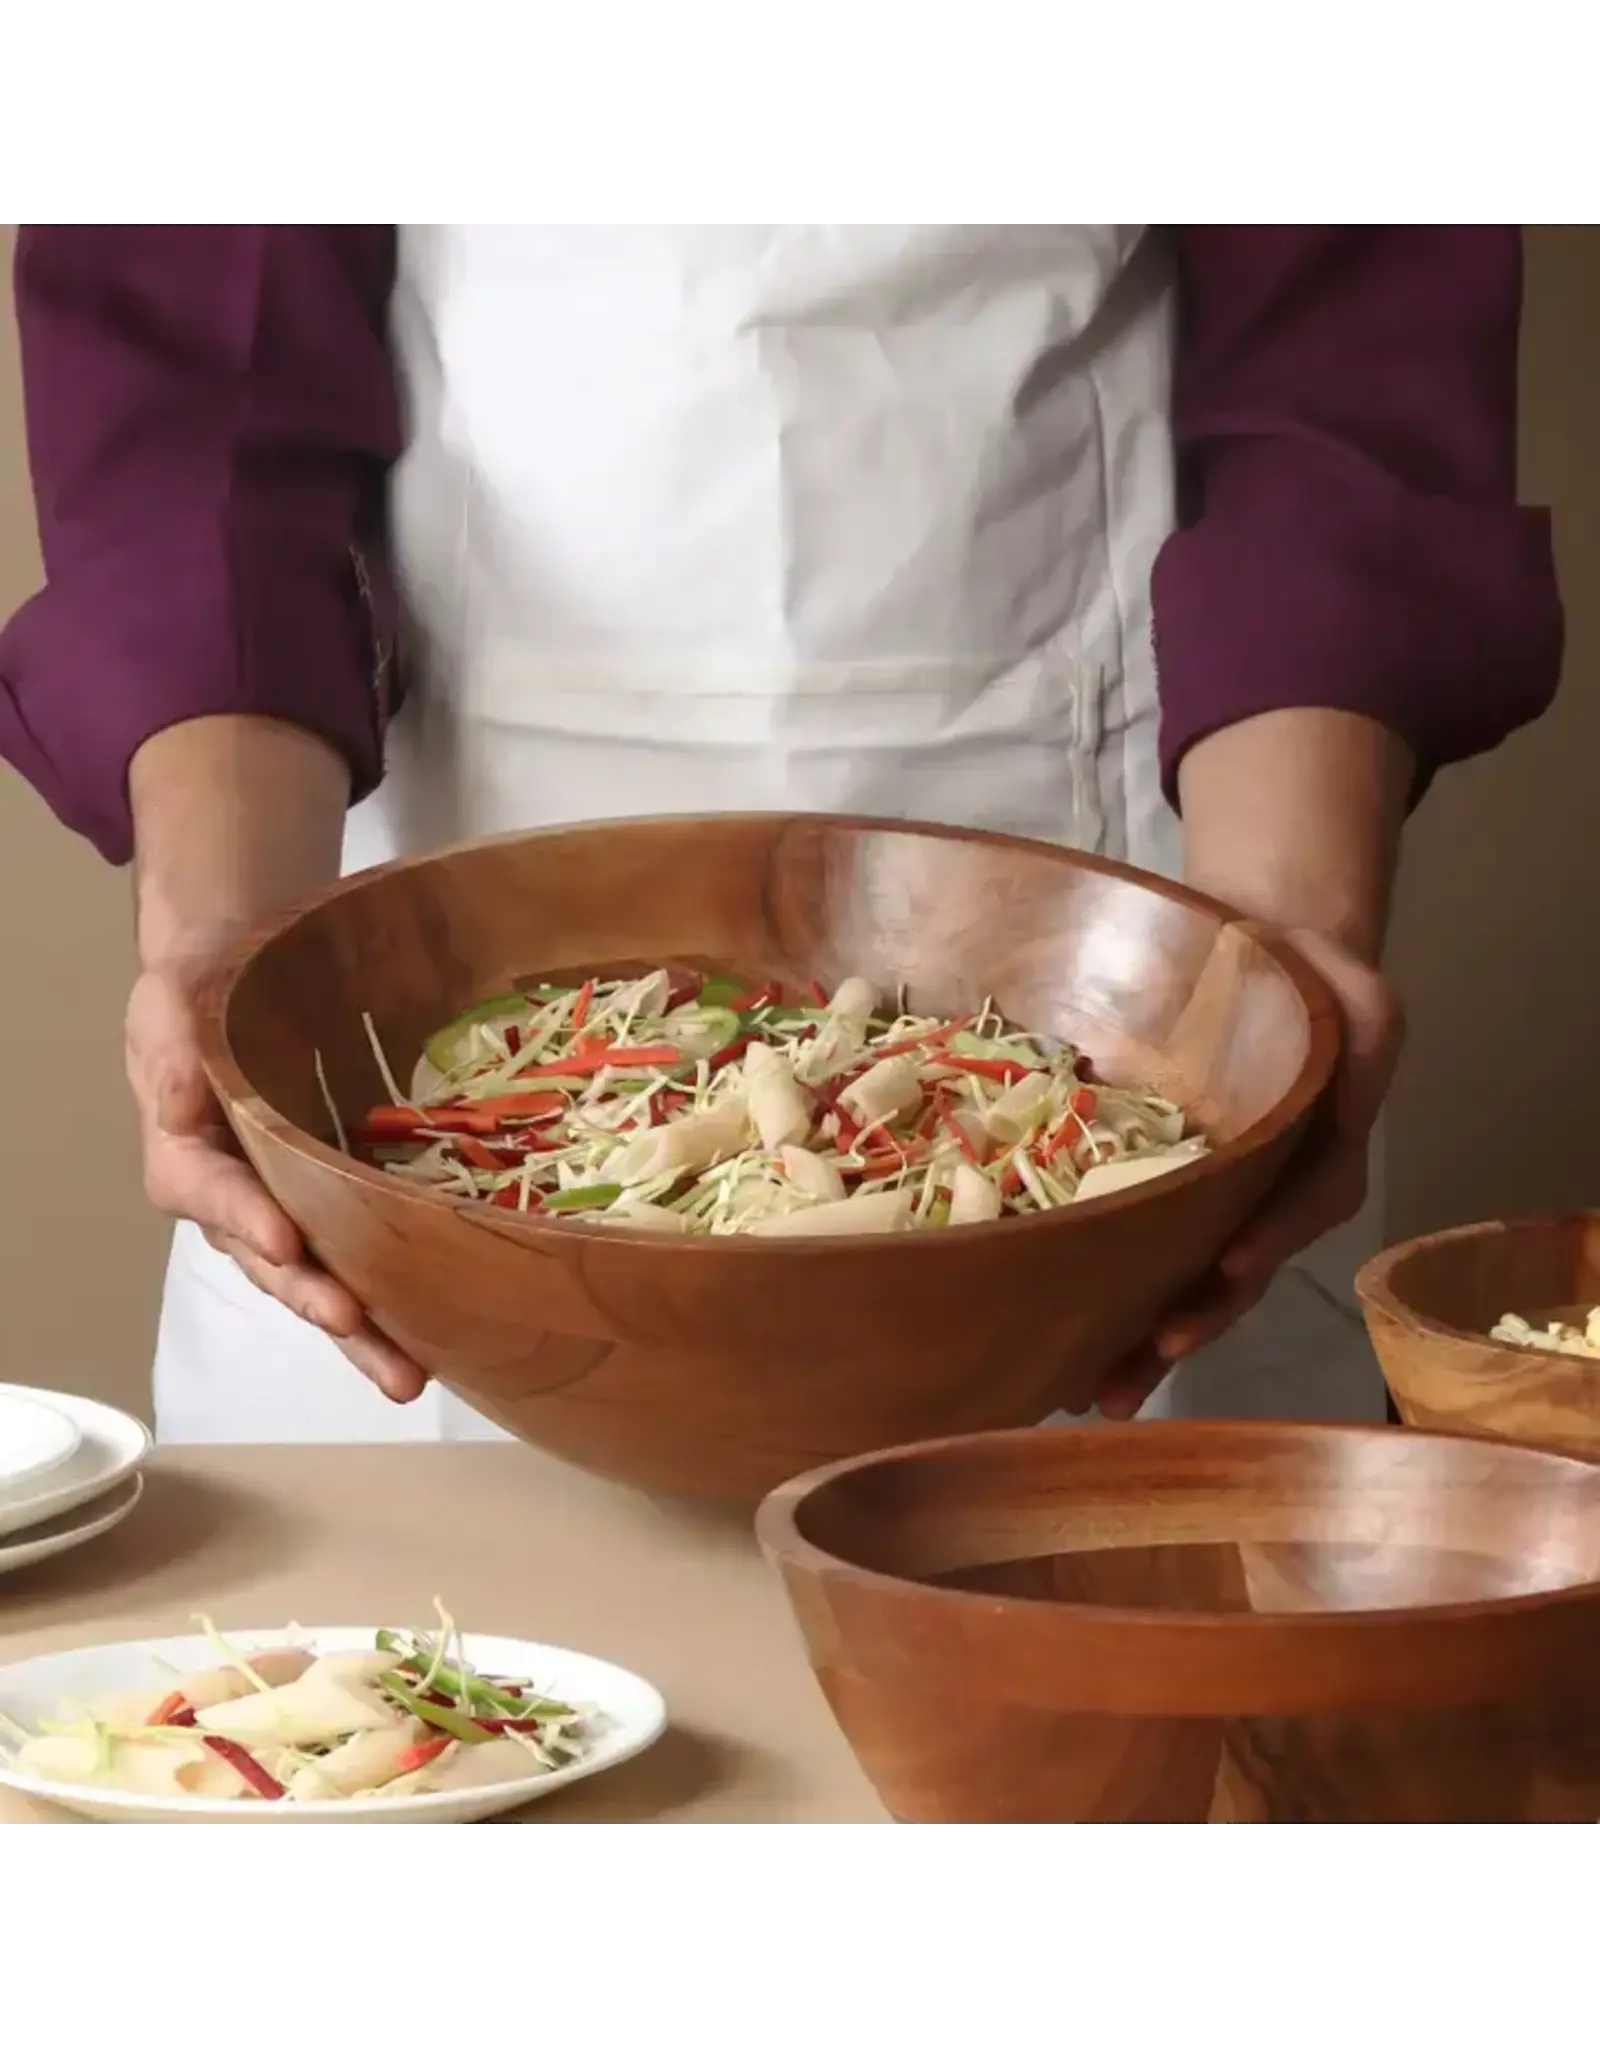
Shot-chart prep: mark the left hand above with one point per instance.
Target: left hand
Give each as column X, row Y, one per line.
column 1324, row 1184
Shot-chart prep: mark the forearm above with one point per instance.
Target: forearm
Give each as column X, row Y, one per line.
column 233, row 817
column 1295, row 816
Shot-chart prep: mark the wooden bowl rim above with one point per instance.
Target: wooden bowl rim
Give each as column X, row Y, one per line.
column 227, row 1079
column 1376, row 1289
column 778, row 1532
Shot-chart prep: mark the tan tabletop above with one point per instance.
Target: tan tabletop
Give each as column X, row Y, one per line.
column 514, row 1545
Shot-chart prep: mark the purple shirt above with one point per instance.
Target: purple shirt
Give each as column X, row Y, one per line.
column 212, row 410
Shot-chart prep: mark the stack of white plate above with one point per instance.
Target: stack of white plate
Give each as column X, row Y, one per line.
column 69, row 1471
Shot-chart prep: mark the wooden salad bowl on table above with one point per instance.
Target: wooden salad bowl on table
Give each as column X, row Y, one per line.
column 714, row 1368
column 1184, row 1622
column 1431, row 1304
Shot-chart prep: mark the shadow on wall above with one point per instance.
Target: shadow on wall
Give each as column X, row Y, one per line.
column 1494, row 1110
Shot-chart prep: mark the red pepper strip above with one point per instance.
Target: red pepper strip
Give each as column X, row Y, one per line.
column 683, row 988
column 533, row 1105
column 758, row 999
column 169, row 1709
column 513, row 1040
column 658, row 1110
column 884, row 1163
column 728, row 1055
column 1081, row 1107
column 957, row 1130
column 590, row 1055
column 582, row 1007
column 255, row 1775
column 988, row 1070
column 477, row 1154
column 510, row 1197
column 849, row 1129
column 923, row 1038
column 818, row 995
column 421, row 1753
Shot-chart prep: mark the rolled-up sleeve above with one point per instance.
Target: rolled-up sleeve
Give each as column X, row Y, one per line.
column 1344, row 413
column 211, row 413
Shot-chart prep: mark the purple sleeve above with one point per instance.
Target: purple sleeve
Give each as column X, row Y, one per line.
column 211, row 412
column 1344, row 411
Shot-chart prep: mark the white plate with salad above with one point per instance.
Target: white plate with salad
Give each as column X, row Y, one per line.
column 316, row 1724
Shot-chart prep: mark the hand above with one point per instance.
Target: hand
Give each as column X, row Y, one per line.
column 1324, row 1185
column 192, row 1170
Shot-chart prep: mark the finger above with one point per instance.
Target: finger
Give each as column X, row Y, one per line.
column 1130, row 1383
column 1207, row 1315
column 317, row 1298
column 198, row 1178
column 400, row 1378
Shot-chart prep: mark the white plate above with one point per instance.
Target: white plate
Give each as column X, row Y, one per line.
column 34, row 1438
column 632, row 1715
column 65, row 1532
column 113, row 1446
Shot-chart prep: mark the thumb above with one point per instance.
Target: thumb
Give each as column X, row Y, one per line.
column 183, row 1105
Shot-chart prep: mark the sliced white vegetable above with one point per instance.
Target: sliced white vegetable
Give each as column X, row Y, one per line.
column 1020, row 1111
column 1126, row 1173
column 779, row 1108
column 854, row 998
column 974, row 1197
column 890, row 1088
column 427, row 1083
column 483, row 1763
column 812, row 1174
column 211, row 1688
column 687, row 1146
column 646, row 997
column 357, row 1667
column 861, row 1216
column 365, row 1761
column 129, row 1709
column 160, row 1769
column 313, row 1709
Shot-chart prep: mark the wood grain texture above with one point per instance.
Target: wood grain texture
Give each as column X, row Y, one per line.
column 1430, row 1305
column 1229, row 1622
column 715, row 1368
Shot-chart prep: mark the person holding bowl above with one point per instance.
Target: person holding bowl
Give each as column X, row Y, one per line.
column 1197, row 547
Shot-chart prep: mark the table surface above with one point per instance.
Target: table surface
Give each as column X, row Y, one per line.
column 515, row 1545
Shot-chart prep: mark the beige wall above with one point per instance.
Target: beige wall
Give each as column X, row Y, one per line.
column 1495, row 1111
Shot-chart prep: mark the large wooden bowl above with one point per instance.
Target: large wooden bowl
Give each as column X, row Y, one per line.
column 1183, row 1622
column 716, row 1368
column 1431, row 1304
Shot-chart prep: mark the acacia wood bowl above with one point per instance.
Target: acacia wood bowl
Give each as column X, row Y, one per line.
column 1184, row 1622
column 1431, row 1304
column 715, row 1368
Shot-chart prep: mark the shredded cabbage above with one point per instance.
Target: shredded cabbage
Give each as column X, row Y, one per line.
column 703, row 1108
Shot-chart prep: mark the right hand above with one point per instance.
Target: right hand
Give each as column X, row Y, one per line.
column 193, row 1170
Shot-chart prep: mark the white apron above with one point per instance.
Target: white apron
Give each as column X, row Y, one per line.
column 735, row 518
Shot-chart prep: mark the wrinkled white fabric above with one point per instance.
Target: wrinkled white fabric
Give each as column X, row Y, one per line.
column 736, row 518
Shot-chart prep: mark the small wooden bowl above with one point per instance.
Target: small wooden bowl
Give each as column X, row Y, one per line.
column 716, row 1368
column 1183, row 1622
column 1431, row 1304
